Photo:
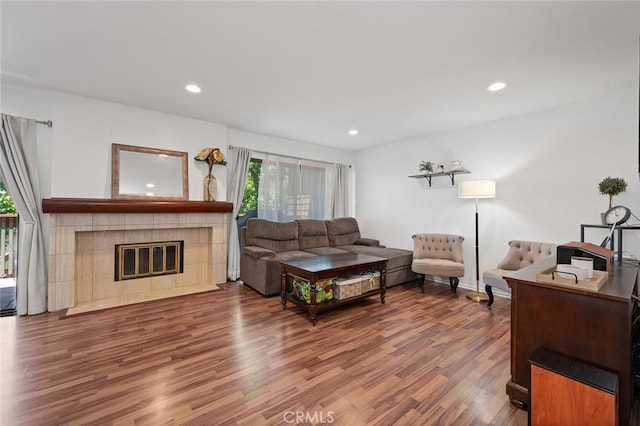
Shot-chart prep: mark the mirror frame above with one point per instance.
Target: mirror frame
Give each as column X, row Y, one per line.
column 115, row 172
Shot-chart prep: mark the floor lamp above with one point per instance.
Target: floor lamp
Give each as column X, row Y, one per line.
column 477, row 189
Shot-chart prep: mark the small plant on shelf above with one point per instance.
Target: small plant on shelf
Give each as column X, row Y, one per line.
column 612, row 186
column 426, row 166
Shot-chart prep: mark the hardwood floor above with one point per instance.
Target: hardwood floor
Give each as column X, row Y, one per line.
column 234, row 357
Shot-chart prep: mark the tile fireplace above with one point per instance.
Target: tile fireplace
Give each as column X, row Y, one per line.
column 83, row 247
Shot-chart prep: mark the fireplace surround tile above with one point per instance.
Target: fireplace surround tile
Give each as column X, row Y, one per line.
column 65, row 240
column 106, row 240
column 190, row 235
column 74, row 220
column 81, row 275
column 163, row 282
column 204, row 253
column 189, row 277
column 65, row 290
column 103, row 262
column 106, row 219
column 162, row 219
column 136, row 220
column 52, row 238
column 84, row 242
column 168, row 234
column 104, row 287
column 192, row 254
column 140, row 285
column 138, row 235
column 204, row 272
column 64, row 267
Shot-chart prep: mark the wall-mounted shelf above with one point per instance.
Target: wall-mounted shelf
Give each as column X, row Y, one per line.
column 450, row 173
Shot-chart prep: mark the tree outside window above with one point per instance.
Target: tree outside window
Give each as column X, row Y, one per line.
column 6, row 203
column 250, row 197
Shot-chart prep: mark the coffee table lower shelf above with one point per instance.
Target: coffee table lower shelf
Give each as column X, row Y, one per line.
column 327, row 267
column 329, row 304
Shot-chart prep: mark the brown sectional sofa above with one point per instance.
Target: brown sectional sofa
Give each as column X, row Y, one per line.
column 265, row 243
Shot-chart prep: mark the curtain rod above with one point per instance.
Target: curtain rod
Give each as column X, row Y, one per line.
column 288, row 156
column 47, row 123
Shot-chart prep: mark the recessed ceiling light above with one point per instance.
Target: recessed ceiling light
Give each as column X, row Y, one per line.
column 193, row 88
column 353, row 132
column 498, row 85
column 150, row 185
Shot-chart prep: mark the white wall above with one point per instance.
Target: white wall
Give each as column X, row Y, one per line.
column 75, row 154
column 288, row 147
column 547, row 166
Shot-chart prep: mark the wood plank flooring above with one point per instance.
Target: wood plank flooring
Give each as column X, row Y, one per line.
column 234, row 357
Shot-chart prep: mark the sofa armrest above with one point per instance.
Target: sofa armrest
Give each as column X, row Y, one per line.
column 367, row 242
column 258, row 252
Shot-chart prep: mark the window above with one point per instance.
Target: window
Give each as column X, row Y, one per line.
column 283, row 188
column 250, row 197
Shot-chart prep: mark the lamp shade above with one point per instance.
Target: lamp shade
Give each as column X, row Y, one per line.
column 477, row 189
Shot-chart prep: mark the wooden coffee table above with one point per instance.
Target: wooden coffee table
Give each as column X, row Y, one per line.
column 318, row 268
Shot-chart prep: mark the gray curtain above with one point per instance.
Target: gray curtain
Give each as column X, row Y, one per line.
column 19, row 165
column 276, row 177
column 238, row 169
column 293, row 188
column 340, row 202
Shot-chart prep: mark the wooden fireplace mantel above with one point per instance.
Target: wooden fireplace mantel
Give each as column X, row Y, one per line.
column 107, row 205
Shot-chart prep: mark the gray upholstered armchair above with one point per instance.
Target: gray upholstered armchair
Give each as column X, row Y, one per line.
column 438, row 255
column 522, row 259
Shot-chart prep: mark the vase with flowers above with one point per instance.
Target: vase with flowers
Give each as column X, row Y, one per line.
column 210, row 184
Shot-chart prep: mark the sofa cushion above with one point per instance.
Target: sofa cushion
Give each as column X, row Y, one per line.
column 312, row 233
column 276, row 236
column 342, row 231
column 293, row 254
column 440, row 267
column 396, row 258
column 493, row 278
column 326, row 251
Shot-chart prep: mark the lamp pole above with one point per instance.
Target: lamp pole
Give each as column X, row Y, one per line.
column 477, row 297
column 477, row 189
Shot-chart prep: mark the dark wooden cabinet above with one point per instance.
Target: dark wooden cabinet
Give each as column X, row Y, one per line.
column 591, row 327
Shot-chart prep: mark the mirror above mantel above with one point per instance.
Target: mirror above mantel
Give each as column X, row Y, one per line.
column 148, row 173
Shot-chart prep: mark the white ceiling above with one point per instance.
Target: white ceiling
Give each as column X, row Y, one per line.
column 310, row 71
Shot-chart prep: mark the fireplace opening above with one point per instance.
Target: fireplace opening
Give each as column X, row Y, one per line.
column 141, row 260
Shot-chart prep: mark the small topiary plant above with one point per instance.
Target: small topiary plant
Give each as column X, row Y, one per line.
column 612, row 186
column 426, row 166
